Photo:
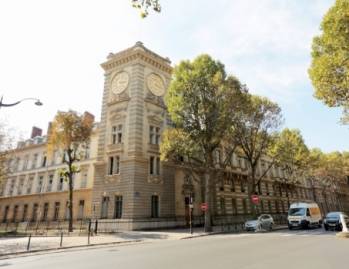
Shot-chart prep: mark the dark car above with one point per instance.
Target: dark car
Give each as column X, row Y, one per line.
column 333, row 221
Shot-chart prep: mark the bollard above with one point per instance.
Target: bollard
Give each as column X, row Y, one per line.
column 28, row 246
column 88, row 237
column 60, row 244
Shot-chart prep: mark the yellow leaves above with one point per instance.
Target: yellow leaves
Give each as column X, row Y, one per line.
column 69, row 131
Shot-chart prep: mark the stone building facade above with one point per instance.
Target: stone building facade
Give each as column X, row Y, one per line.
column 122, row 179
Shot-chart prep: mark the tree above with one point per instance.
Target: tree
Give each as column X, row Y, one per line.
column 329, row 71
column 254, row 132
column 5, row 154
column 291, row 155
column 201, row 101
column 145, row 5
column 70, row 134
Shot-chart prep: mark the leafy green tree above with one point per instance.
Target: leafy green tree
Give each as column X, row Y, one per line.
column 202, row 101
column 6, row 154
column 70, row 134
column 145, row 5
column 290, row 154
column 329, row 70
column 254, row 132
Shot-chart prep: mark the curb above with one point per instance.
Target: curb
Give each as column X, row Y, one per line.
column 60, row 249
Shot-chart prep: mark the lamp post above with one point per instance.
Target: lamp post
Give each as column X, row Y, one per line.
column 37, row 102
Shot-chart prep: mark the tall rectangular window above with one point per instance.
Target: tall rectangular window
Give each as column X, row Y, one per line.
column 35, row 212
column 12, row 186
column 25, row 212
column 56, row 212
column 151, row 165
column 154, row 206
column 45, row 212
column 20, row 186
column 154, row 135
column 30, row 184
column 233, row 205
column 40, row 183
column 114, row 165
column 116, row 134
column 15, row 212
column 35, row 160
column 50, row 183
column 44, row 159
column 118, row 207
column 60, row 184
column 7, row 209
column 25, row 163
column 104, row 208
column 81, row 209
column 67, row 212
column 222, row 205
column 154, row 166
column 83, row 182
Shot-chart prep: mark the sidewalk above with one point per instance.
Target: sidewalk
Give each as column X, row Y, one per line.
column 18, row 245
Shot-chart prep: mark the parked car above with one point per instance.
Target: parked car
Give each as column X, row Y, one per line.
column 304, row 215
column 263, row 222
column 332, row 221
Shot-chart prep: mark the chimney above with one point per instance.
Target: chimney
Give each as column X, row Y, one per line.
column 89, row 116
column 36, row 132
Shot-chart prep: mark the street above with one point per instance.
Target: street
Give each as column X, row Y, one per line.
column 283, row 249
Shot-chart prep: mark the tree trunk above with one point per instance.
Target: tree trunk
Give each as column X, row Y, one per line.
column 208, row 223
column 70, row 202
column 287, row 196
column 251, row 191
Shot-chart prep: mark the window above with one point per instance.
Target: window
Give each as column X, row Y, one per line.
column 60, row 184
column 15, row 212
column 222, row 205
column 233, row 205
column 118, row 207
column 20, row 186
column 30, row 185
column 35, row 160
column 154, row 206
column 35, row 212
column 44, row 158
column 17, row 164
column 154, row 135
column 49, row 184
column 154, row 166
column 104, row 209
column 117, row 134
column 114, row 165
column 83, row 182
column 56, row 212
column 25, row 164
column 244, row 205
column 81, row 209
column 151, row 165
column 45, row 212
column 67, row 212
column 25, row 212
column 7, row 209
column 12, row 186
column 243, row 189
column 40, row 182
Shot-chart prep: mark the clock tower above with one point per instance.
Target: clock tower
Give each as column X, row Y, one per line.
column 130, row 181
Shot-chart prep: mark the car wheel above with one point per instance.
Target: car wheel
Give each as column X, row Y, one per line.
column 326, row 227
column 271, row 227
column 290, row 227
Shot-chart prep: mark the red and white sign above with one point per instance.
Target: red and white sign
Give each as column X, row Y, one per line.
column 255, row 199
column 204, row 206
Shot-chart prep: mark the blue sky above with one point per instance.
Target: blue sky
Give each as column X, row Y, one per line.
column 53, row 50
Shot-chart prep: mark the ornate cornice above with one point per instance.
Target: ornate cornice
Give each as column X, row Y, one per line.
column 137, row 52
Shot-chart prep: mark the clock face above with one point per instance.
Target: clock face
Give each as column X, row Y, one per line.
column 119, row 82
column 156, row 84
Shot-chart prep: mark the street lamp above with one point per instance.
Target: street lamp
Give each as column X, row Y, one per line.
column 37, row 102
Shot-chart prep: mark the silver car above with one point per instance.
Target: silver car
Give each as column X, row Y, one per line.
column 264, row 222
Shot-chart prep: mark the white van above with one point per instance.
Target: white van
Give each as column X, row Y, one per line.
column 304, row 215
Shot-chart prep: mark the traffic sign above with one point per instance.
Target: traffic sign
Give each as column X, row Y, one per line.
column 204, row 206
column 255, row 199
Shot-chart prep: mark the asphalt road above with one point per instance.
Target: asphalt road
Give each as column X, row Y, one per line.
column 296, row 249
